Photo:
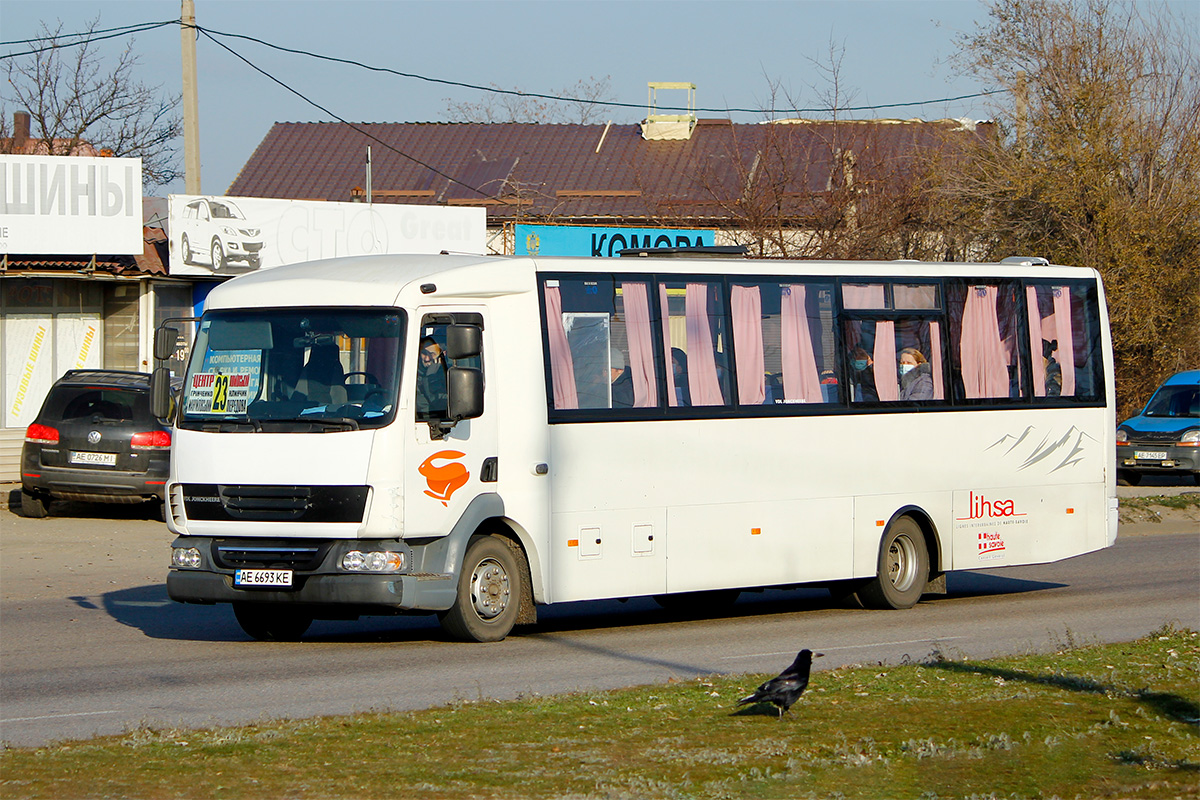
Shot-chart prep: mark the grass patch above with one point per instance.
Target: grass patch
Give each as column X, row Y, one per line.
column 1102, row 721
column 1146, row 509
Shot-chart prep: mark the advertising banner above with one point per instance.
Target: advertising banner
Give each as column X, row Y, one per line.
column 578, row 240
column 68, row 204
column 233, row 235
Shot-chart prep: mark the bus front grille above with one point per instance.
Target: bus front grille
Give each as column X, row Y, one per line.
column 224, row 503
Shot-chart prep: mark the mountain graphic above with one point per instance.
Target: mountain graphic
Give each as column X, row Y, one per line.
column 1067, row 449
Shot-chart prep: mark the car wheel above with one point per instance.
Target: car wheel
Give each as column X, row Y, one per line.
column 272, row 622
column 218, row 255
column 34, row 506
column 489, row 593
column 902, row 570
column 185, row 249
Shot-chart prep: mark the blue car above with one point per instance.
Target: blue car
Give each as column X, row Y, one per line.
column 1165, row 438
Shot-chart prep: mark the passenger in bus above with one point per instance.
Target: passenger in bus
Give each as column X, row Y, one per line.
column 622, row 380
column 679, row 371
column 863, row 376
column 1053, row 370
column 916, row 376
column 322, row 381
column 431, row 381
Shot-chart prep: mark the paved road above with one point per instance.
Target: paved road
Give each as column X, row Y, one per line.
column 91, row 644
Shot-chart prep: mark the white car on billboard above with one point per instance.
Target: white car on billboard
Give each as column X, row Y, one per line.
column 216, row 229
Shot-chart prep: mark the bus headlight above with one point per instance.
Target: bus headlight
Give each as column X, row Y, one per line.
column 373, row 561
column 186, row 557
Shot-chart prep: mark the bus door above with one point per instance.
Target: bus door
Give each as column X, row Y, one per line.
column 449, row 462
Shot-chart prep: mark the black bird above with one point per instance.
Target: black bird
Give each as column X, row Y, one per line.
column 784, row 690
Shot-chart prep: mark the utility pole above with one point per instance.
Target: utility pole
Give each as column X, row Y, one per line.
column 191, row 104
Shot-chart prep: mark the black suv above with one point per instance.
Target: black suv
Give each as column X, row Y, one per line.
column 95, row 440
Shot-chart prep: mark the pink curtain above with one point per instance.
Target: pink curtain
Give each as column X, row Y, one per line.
column 884, row 356
column 887, row 385
column 984, row 363
column 1035, row 341
column 1066, row 347
column 562, row 369
column 935, row 348
column 672, row 395
column 641, row 344
column 703, row 384
column 800, row 378
column 748, row 341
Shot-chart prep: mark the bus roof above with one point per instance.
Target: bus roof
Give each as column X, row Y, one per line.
column 397, row 280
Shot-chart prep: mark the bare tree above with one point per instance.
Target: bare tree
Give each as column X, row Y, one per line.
column 1098, row 165
column 76, row 97
column 584, row 104
column 824, row 188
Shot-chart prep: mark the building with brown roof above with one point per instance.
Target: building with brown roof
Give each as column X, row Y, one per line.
column 776, row 187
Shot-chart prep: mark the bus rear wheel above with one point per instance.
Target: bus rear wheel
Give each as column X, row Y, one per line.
column 489, row 595
column 272, row 622
column 902, row 569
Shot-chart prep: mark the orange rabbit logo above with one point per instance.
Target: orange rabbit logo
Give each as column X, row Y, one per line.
column 446, row 479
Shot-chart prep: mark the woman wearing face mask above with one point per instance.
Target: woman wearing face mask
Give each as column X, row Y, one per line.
column 863, row 378
column 916, row 376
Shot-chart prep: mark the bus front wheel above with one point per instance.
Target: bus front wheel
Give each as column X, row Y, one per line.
column 902, row 570
column 489, row 593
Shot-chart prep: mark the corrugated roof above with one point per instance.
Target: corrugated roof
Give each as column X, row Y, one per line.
column 581, row 172
column 151, row 262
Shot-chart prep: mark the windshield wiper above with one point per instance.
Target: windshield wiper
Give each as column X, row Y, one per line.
column 328, row 423
column 229, row 426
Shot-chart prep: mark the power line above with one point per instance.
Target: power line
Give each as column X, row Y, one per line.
column 351, row 125
column 212, row 33
column 86, row 37
column 558, row 98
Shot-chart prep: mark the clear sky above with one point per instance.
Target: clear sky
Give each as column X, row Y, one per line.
column 891, row 52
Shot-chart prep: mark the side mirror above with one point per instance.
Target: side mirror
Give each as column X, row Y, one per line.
column 165, row 340
column 464, row 391
column 160, row 388
column 463, row 341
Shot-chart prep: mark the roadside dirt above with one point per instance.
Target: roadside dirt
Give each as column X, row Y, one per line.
column 1151, row 518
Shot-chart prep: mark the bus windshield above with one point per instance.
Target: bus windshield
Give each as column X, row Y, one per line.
column 290, row 369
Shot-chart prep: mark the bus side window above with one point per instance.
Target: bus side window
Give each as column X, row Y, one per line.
column 695, row 342
column 601, row 343
column 985, row 345
column 1064, row 342
column 783, row 343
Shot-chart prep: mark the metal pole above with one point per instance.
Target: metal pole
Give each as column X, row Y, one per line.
column 368, row 174
column 191, row 104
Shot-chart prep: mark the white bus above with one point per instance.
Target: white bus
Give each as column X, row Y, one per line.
column 475, row 436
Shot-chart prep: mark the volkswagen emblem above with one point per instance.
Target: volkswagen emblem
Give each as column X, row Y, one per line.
column 94, row 437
